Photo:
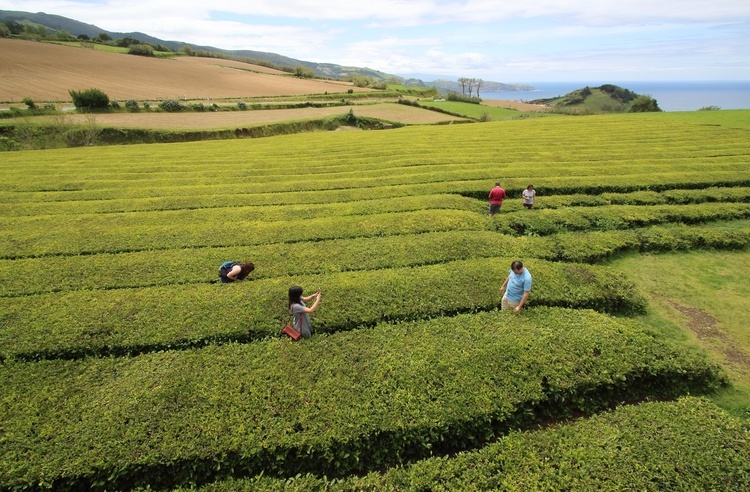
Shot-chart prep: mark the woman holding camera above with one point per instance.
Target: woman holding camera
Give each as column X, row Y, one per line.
column 300, row 311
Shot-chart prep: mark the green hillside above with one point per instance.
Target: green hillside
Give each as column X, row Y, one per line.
column 606, row 98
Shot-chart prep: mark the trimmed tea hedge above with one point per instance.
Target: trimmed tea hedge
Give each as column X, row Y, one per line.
column 689, row 444
column 334, row 405
column 199, row 265
column 221, row 200
column 544, row 222
column 107, row 235
column 111, row 233
column 126, row 321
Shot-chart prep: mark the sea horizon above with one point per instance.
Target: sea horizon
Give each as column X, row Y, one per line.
column 669, row 95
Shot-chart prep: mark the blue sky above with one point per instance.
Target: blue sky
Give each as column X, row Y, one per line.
column 503, row 41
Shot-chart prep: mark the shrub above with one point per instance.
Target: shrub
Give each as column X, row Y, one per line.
column 89, row 99
column 171, row 106
column 29, row 102
column 644, row 104
column 242, row 105
column 132, row 105
column 304, row 72
column 114, row 105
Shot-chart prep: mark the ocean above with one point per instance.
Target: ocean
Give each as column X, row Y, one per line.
column 671, row 96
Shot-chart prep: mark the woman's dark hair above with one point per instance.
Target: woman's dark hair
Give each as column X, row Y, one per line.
column 246, row 268
column 295, row 295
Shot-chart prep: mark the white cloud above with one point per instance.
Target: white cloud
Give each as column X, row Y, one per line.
column 490, row 39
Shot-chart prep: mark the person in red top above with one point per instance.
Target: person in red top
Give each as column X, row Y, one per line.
column 496, row 198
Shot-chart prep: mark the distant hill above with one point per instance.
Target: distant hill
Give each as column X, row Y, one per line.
column 329, row 70
column 607, row 98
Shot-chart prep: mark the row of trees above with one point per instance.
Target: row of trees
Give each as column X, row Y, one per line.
column 37, row 31
column 32, row 31
column 470, row 85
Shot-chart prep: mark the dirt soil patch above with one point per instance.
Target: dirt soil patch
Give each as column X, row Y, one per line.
column 46, row 72
column 190, row 120
column 705, row 328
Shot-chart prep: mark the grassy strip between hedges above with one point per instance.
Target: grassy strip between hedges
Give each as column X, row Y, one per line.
column 685, row 445
column 120, row 322
column 334, row 405
column 199, row 265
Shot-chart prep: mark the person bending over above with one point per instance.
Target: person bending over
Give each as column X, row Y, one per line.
column 232, row 271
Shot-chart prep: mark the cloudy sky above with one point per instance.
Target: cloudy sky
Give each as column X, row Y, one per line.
column 499, row 40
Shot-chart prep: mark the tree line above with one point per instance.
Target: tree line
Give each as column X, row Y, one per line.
column 471, row 85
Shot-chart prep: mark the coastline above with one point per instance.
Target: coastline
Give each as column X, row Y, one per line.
column 671, row 96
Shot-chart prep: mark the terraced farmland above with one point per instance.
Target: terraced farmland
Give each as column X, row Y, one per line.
column 126, row 366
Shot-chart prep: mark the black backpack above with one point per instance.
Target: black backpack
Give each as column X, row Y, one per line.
column 224, row 269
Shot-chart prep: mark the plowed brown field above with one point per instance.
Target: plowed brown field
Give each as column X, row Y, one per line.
column 46, row 72
column 238, row 119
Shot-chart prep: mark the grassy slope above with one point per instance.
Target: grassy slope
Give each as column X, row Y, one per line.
column 471, row 110
column 702, row 297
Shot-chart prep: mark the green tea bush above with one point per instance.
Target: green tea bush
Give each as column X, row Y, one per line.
column 550, row 221
column 332, row 405
column 689, row 444
column 125, row 321
column 736, row 194
column 136, row 269
column 123, row 233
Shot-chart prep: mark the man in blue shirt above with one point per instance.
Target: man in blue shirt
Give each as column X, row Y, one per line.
column 516, row 287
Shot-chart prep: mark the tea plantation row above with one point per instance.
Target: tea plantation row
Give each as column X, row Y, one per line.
column 334, row 405
column 117, row 205
column 125, row 321
column 135, row 270
column 685, row 445
column 112, row 233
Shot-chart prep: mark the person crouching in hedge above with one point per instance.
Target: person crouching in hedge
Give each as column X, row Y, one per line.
column 516, row 288
column 300, row 311
column 232, row 271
